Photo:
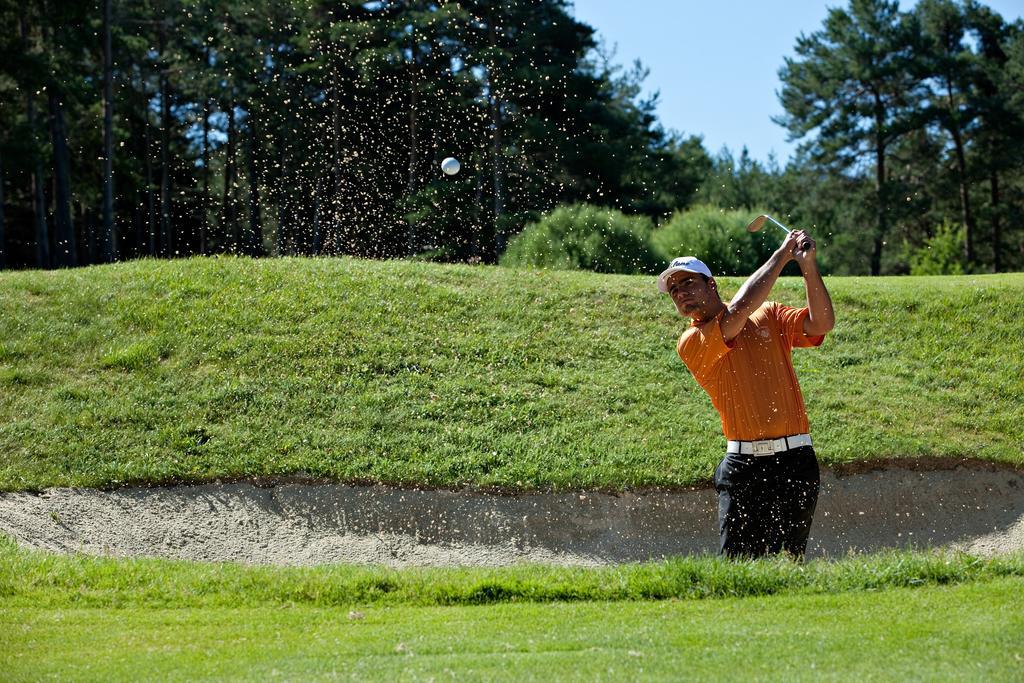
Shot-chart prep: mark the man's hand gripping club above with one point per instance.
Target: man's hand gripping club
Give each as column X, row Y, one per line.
column 755, row 290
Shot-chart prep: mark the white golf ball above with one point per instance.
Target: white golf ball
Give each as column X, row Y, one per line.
column 451, row 165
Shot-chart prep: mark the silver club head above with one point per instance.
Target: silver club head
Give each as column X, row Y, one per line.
column 758, row 223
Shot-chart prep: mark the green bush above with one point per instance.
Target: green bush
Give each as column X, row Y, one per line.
column 718, row 237
column 585, row 237
column 940, row 255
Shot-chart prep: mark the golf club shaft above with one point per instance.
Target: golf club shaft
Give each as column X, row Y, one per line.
column 804, row 246
column 779, row 224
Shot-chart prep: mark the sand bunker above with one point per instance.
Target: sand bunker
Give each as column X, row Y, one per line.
column 979, row 509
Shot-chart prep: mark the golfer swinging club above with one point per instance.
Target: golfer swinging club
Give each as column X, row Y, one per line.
column 740, row 353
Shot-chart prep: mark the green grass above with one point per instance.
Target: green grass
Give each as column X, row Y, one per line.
column 968, row 632
column 38, row 579
column 160, row 371
column 892, row 616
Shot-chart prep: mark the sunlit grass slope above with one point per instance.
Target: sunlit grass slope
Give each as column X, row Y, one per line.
column 404, row 372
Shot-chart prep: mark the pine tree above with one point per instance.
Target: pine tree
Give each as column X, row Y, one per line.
column 998, row 82
column 947, row 66
column 853, row 82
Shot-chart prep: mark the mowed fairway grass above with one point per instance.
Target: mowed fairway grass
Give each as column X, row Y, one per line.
column 973, row 632
column 417, row 373
column 896, row 616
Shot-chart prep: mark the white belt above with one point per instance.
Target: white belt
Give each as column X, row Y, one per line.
column 769, row 446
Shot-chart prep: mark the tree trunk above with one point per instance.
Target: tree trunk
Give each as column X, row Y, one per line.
column 42, row 232
column 475, row 251
column 411, row 236
column 500, row 238
column 228, row 224
column 64, row 231
column 997, row 227
column 317, row 235
column 882, row 218
column 966, row 216
column 166, row 238
column 283, row 238
column 150, row 199
column 206, row 170
column 3, row 251
column 333, row 215
column 138, row 225
column 281, row 192
column 254, row 239
column 84, row 218
column 109, row 233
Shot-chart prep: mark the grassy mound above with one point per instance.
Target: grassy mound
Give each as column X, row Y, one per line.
column 157, row 371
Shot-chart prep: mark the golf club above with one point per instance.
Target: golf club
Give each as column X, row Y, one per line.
column 758, row 223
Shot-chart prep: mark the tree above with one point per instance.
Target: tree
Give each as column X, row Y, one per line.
column 996, row 97
column 946, row 66
column 64, row 85
column 225, row 123
column 110, row 236
column 166, row 237
column 742, row 183
column 853, row 83
column 3, row 222
column 31, row 79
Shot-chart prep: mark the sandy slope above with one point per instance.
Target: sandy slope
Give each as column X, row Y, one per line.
column 977, row 508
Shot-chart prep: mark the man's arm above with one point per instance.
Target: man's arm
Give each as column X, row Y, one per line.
column 821, row 318
column 755, row 290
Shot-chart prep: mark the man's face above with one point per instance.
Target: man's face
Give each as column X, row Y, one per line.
column 690, row 293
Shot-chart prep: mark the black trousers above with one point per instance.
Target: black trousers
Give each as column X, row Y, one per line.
column 766, row 503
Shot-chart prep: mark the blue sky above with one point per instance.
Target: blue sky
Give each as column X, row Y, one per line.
column 716, row 63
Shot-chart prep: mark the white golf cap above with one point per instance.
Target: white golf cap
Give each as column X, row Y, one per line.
column 689, row 264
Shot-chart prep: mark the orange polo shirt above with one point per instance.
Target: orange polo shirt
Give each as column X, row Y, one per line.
column 750, row 379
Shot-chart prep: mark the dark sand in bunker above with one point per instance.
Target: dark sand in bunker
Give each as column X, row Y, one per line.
column 970, row 506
